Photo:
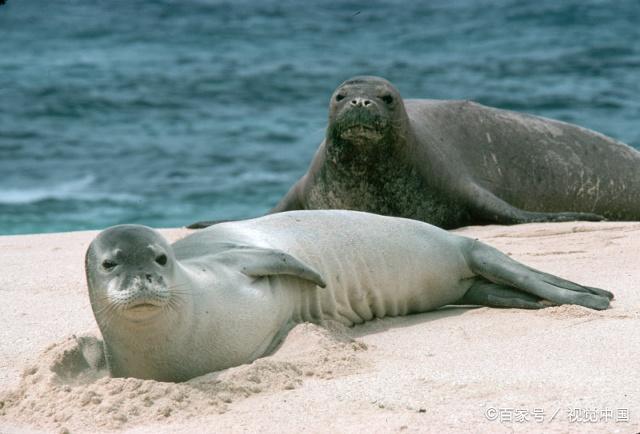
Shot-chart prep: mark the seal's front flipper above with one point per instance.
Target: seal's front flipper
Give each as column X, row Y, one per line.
column 499, row 268
column 484, row 293
column 205, row 224
column 259, row 262
column 489, row 207
column 291, row 201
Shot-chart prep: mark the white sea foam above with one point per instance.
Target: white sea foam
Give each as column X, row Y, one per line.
column 83, row 188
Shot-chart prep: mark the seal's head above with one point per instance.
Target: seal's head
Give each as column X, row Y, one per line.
column 366, row 115
column 130, row 272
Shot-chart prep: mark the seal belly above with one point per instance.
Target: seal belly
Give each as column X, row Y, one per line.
column 363, row 287
column 373, row 271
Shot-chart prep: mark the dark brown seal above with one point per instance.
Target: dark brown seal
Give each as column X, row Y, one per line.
column 456, row 163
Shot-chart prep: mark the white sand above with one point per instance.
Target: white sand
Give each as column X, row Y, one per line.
column 433, row 372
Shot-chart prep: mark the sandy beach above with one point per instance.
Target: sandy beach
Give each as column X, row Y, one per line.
column 458, row 369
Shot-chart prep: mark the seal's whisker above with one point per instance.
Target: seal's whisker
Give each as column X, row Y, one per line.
column 182, row 292
column 108, row 307
column 107, row 314
column 174, row 304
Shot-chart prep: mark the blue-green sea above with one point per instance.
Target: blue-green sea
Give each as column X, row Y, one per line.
column 165, row 112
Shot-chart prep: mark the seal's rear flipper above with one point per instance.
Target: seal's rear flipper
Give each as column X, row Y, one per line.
column 486, row 206
column 484, row 293
column 259, row 262
column 558, row 281
column 499, row 268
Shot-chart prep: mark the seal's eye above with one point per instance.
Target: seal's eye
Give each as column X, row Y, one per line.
column 339, row 97
column 108, row 265
column 162, row 259
column 388, row 99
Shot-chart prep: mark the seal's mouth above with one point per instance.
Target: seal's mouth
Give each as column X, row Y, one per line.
column 142, row 310
column 143, row 306
column 360, row 133
column 145, row 300
column 358, row 126
column 143, row 303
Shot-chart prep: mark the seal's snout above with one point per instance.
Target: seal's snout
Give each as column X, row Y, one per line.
column 143, row 282
column 139, row 296
column 360, row 102
column 360, row 123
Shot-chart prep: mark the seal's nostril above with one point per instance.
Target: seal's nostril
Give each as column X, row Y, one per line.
column 366, row 102
column 148, row 276
column 354, row 102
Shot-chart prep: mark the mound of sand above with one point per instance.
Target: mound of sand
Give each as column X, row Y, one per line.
column 69, row 388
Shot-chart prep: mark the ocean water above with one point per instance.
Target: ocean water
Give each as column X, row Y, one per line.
column 166, row 112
